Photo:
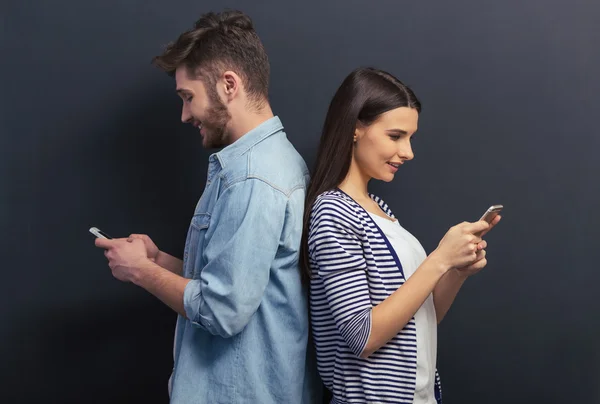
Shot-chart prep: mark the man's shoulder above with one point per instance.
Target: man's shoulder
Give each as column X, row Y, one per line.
column 276, row 162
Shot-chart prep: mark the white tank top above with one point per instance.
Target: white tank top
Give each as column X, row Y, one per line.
column 411, row 254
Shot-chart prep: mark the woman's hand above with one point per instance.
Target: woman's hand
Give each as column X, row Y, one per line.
column 460, row 247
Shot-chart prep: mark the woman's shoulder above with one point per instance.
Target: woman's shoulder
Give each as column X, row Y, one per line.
column 334, row 213
column 335, row 209
column 334, row 199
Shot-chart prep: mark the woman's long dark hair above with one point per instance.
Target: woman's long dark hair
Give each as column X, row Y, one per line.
column 363, row 96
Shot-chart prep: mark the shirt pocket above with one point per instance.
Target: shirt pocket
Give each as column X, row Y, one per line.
column 198, row 228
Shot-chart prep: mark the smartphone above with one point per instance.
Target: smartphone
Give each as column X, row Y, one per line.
column 99, row 233
column 490, row 214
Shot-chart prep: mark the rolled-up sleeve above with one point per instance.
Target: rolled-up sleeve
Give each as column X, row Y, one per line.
column 336, row 250
column 245, row 230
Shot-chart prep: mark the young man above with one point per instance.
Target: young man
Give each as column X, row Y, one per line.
column 242, row 330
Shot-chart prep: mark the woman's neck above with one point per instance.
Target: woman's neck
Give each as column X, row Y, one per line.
column 356, row 182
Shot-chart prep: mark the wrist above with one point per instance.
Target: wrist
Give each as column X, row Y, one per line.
column 459, row 274
column 438, row 264
column 143, row 270
column 158, row 257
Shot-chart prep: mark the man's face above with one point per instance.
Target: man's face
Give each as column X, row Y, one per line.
column 203, row 108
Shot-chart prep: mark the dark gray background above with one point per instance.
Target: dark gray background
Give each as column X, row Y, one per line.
column 91, row 137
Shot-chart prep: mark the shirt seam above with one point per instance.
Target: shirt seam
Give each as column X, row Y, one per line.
column 229, row 184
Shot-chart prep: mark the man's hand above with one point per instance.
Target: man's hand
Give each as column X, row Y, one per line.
column 125, row 258
column 151, row 248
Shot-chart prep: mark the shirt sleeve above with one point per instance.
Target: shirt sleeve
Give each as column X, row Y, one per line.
column 246, row 226
column 336, row 250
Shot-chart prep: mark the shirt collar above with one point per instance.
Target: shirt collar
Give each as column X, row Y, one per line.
column 247, row 141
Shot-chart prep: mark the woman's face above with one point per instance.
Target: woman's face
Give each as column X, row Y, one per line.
column 383, row 146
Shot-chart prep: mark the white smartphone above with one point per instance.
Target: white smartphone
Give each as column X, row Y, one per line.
column 490, row 215
column 99, row 233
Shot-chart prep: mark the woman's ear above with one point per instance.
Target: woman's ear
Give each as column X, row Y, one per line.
column 359, row 132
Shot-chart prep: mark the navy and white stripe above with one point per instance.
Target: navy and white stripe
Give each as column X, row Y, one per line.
column 354, row 268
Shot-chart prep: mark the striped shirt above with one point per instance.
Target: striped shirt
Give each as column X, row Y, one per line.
column 354, row 268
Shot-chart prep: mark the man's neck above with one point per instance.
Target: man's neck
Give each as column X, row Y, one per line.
column 245, row 123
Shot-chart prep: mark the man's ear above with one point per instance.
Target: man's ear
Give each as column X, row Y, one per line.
column 230, row 84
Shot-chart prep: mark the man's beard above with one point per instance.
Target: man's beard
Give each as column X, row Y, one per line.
column 216, row 123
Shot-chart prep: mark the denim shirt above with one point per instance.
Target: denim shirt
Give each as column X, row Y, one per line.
column 245, row 338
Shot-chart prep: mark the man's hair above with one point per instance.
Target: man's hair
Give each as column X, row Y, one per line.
column 217, row 43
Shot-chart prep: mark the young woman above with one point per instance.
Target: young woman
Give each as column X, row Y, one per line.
column 375, row 296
